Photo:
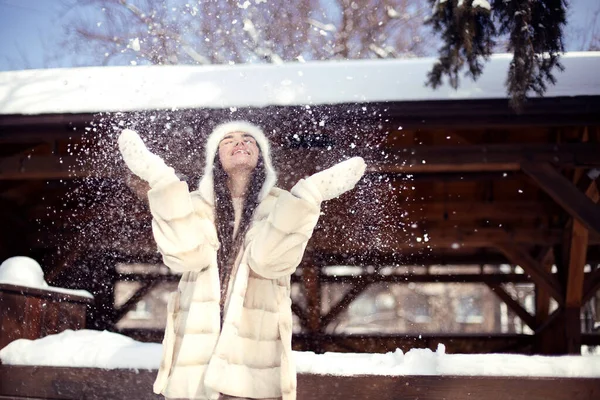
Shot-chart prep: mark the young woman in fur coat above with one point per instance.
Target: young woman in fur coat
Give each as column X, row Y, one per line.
column 236, row 240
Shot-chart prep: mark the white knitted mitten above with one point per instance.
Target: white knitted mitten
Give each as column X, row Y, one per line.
column 142, row 162
column 335, row 181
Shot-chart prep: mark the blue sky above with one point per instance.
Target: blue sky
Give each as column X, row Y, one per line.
column 31, row 29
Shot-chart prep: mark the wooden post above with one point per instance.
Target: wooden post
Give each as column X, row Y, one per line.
column 562, row 334
column 542, row 297
column 102, row 277
column 312, row 290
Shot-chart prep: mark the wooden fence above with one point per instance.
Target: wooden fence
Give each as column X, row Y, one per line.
column 28, row 382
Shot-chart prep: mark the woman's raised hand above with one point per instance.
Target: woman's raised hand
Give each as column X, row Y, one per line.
column 335, row 181
column 142, row 162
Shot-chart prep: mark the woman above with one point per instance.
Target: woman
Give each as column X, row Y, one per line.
column 236, row 241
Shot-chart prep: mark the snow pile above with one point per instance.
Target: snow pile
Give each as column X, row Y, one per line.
column 83, row 348
column 25, row 271
column 427, row 362
column 95, row 349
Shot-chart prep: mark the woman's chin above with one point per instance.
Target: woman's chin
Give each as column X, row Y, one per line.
column 240, row 167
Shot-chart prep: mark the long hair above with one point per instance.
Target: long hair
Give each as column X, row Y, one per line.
column 225, row 217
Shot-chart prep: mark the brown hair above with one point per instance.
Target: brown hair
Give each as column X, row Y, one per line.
column 225, row 217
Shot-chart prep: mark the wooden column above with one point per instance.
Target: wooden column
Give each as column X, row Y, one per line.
column 562, row 332
column 575, row 277
column 102, row 278
column 312, row 291
column 542, row 297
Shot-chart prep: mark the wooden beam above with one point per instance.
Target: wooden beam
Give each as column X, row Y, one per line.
column 398, row 259
column 427, row 278
column 497, row 157
column 312, row 290
column 327, row 240
column 470, row 210
column 514, row 305
column 344, row 302
column 120, row 312
column 577, row 253
column 565, row 193
column 520, row 257
column 454, row 343
column 43, row 167
column 420, row 159
column 577, row 260
column 463, row 211
column 542, row 298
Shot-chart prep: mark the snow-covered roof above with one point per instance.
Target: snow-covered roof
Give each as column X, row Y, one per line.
column 110, row 89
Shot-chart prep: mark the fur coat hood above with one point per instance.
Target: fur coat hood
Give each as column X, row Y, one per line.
column 206, row 186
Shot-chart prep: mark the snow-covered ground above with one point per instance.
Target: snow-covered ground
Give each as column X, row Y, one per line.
column 102, row 349
column 114, row 89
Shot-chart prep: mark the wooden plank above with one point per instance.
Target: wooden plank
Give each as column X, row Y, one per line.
column 447, row 388
column 565, row 193
column 514, row 305
column 20, row 382
column 76, row 383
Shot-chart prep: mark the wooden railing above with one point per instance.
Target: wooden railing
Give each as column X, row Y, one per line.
column 27, row 382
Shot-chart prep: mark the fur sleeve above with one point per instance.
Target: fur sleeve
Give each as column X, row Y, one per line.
column 183, row 228
column 276, row 244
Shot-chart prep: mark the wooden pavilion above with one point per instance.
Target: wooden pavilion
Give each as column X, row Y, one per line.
column 454, row 178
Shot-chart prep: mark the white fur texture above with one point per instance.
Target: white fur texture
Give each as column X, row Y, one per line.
column 206, row 186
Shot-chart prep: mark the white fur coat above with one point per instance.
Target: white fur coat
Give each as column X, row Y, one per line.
column 251, row 355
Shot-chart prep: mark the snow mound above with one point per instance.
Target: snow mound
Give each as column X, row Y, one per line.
column 25, row 271
column 22, row 271
column 102, row 349
column 83, row 348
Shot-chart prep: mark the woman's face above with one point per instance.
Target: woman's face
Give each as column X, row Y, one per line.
column 238, row 152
